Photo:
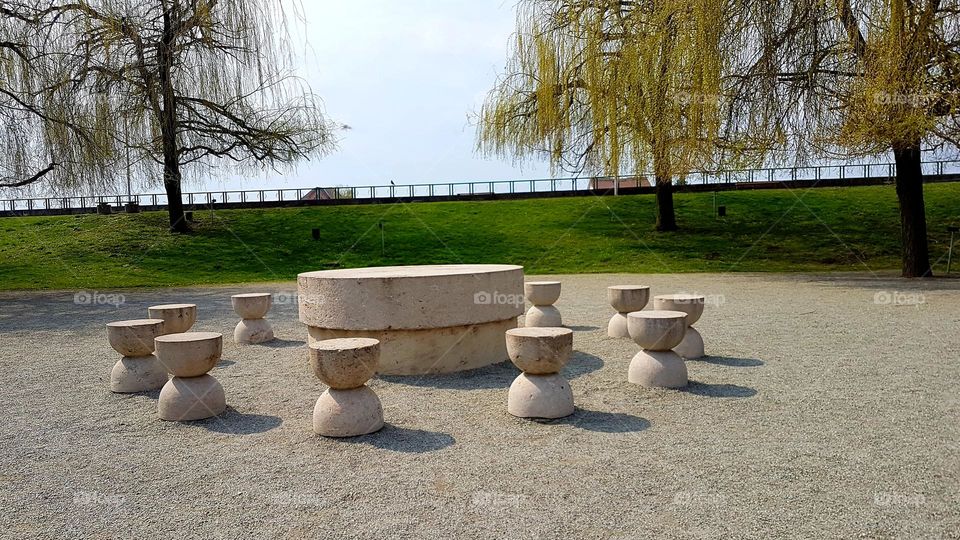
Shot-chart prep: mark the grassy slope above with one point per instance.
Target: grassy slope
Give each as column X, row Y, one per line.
column 822, row 229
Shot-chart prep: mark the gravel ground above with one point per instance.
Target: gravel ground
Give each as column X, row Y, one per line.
column 829, row 409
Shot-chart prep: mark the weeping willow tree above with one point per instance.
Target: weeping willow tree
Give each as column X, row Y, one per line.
column 48, row 130
column 198, row 84
column 618, row 86
column 866, row 78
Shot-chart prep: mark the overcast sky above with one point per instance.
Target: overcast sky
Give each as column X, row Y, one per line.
column 405, row 76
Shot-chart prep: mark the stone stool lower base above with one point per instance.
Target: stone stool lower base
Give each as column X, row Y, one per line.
column 137, row 374
column 191, row 398
column 658, row 369
column 691, row 348
column 347, row 413
column 540, row 396
column 253, row 331
column 617, row 327
column 543, row 317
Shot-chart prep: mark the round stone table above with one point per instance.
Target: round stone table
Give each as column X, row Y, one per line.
column 429, row 319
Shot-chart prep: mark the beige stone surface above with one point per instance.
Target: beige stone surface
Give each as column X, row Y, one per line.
column 177, row 318
column 134, row 337
column 628, row 298
column 345, row 363
column 131, row 375
column 658, row 369
column 691, row 348
column 410, row 297
column 540, row 351
column 540, row 396
column 253, row 332
column 657, row 330
column 191, row 398
column 542, row 293
column 347, row 413
column 543, row 317
column 691, row 304
column 191, row 354
column 439, row 350
column 252, row 305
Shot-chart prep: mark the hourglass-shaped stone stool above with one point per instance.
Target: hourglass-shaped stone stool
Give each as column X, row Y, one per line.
column 177, row 318
column 540, row 391
column 657, row 332
column 251, row 308
column 691, row 347
column 542, row 294
column 349, row 407
column 138, row 370
column 625, row 299
column 191, row 394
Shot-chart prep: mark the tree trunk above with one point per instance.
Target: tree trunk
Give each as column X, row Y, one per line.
column 666, row 218
column 913, row 215
column 168, row 129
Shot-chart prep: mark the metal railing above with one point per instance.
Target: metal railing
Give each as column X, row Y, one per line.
column 456, row 189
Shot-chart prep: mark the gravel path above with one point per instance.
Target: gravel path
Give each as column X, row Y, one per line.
column 830, row 408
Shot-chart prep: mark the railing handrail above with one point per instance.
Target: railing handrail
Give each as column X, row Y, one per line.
column 449, row 189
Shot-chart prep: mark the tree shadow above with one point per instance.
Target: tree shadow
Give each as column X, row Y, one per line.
column 233, row 422
column 730, row 361
column 408, row 441
column 492, row 377
column 278, row 343
column 718, row 390
column 605, row 422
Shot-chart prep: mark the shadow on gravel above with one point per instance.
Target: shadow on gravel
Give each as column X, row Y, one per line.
column 583, row 328
column 605, row 422
column 236, row 423
column 719, row 390
column 730, row 361
column 284, row 344
column 492, row 377
column 408, row 441
column 224, row 363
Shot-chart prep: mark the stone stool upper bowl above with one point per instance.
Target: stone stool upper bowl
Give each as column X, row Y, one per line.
column 252, row 305
column 134, row 338
column 657, row 330
column 542, row 293
column 189, row 355
column 177, row 318
column 691, row 304
column 345, row 363
column 627, row 298
column 540, row 351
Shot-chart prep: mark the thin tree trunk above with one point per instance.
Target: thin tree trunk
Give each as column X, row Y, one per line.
column 168, row 130
column 913, row 215
column 666, row 217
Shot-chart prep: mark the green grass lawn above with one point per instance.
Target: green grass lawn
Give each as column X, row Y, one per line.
column 800, row 230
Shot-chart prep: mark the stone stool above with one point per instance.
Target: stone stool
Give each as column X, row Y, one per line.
column 540, row 391
column 138, row 370
column 691, row 347
column 657, row 332
column 191, row 394
column 251, row 308
column 177, row 318
column 542, row 294
column 625, row 299
column 349, row 407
